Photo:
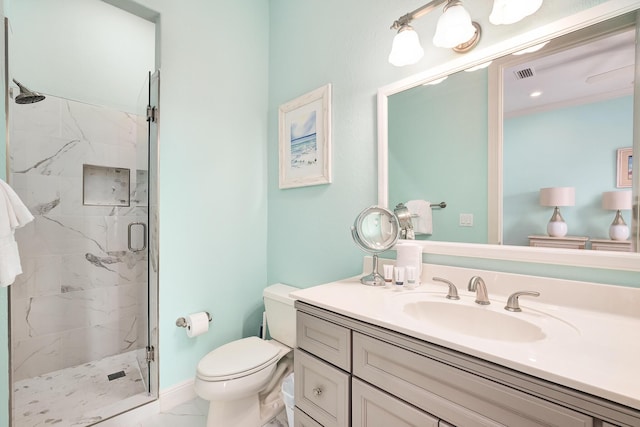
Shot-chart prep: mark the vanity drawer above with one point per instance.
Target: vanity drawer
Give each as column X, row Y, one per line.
column 326, row 340
column 454, row 395
column 371, row 407
column 300, row 419
column 321, row 390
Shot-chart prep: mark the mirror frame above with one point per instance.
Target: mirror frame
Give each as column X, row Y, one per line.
column 566, row 257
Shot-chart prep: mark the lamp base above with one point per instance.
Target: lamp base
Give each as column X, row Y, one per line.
column 556, row 226
column 618, row 229
column 557, row 229
column 619, row 232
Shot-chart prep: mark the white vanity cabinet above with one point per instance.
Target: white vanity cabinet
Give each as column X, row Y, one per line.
column 351, row 373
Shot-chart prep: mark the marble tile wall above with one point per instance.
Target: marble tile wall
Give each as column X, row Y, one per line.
column 82, row 295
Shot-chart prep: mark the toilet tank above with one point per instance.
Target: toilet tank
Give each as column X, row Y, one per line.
column 281, row 315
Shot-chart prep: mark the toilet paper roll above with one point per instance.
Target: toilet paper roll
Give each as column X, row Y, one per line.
column 197, row 324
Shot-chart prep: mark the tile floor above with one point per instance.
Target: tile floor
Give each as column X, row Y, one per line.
column 193, row 414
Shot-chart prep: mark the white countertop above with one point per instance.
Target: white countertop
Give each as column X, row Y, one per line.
column 594, row 351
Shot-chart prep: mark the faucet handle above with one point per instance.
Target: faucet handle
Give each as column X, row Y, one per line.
column 453, row 291
column 512, row 302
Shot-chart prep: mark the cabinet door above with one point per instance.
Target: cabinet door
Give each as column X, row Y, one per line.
column 371, row 407
column 452, row 394
column 321, row 390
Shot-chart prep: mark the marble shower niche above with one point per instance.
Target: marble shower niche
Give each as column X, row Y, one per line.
column 83, row 293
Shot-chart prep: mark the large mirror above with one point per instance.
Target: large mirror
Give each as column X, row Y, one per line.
column 479, row 142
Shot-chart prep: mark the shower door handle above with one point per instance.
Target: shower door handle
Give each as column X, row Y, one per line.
column 144, row 236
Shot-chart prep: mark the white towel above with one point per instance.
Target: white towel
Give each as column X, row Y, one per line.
column 13, row 214
column 421, row 216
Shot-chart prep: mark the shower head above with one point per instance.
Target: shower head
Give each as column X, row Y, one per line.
column 26, row 96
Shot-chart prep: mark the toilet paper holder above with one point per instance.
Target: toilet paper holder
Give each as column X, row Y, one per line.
column 182, row 322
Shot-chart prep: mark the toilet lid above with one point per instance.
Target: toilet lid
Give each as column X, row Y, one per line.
column 237, row 358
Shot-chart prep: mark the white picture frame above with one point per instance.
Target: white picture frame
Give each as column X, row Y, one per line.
column 304, row 139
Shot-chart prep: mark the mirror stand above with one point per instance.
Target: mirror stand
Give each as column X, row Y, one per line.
column 375, row 230
column 374, row 278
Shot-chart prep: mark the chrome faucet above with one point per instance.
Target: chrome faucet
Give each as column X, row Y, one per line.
column 453, row 291
column 477, row 285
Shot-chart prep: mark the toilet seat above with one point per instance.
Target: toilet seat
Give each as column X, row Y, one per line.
column 237, row 359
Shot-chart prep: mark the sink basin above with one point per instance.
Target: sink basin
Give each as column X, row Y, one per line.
column 475, row 320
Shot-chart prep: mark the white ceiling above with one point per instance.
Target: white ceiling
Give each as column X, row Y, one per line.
column 598, row 70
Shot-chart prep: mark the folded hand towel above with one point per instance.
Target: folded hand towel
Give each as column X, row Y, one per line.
column 421, row 216
column 13, row 214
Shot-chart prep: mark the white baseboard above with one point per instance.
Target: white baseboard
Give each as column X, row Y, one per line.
column 177, row 395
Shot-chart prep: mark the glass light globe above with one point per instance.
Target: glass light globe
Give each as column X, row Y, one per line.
column 454, row 27
column 406, row 49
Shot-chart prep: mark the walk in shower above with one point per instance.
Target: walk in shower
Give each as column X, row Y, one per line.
column 80, row 319
column 83, row 314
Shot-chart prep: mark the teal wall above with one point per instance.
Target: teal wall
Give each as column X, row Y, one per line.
column 438, row 143
column 213, row 201
column 540, row 151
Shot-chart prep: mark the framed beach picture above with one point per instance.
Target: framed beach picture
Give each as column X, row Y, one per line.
column 625, row 167
column 304, row 136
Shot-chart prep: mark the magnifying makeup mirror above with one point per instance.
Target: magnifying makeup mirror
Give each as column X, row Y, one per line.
column 375, row 230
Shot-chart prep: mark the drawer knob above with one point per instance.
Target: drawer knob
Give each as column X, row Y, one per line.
column 317, row 391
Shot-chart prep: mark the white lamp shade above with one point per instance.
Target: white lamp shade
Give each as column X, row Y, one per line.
column 617, row 200
column 454, row 27
column 507, row 12
column 558, row 196
column 406, row 49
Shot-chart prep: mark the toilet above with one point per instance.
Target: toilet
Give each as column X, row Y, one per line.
column 241, row 379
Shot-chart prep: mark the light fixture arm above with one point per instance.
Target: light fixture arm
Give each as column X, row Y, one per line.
column 419, row 12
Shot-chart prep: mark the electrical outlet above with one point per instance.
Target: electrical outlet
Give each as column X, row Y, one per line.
column 466, row 220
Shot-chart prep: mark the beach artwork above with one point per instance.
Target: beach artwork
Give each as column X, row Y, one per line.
column 305, row 140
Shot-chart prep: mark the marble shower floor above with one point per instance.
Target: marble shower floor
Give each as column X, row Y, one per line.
column 80, row 395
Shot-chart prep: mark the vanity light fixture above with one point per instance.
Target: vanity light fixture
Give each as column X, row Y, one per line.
column 454, row 30
column 556, row 197
column 617, row 201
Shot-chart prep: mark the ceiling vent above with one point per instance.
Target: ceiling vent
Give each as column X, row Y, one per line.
column 524, row 73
